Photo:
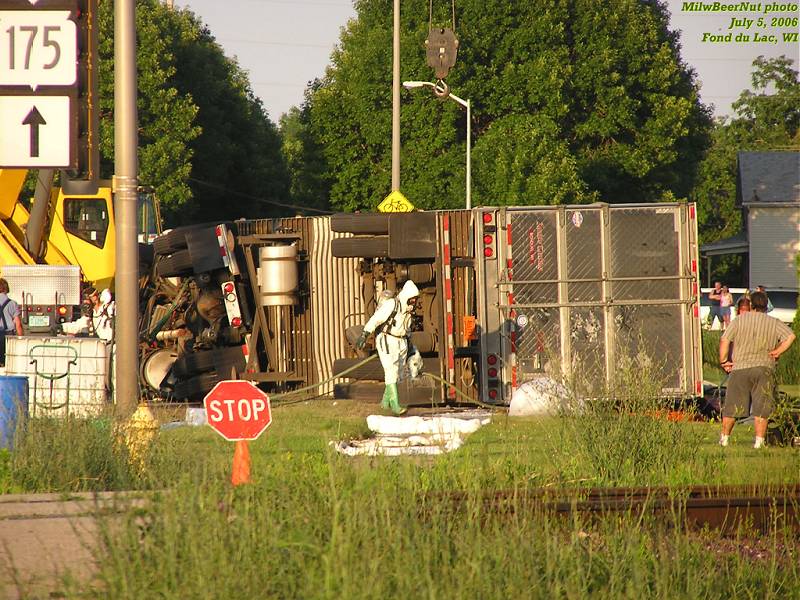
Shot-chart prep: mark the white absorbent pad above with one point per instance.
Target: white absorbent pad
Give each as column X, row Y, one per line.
column 395, row 436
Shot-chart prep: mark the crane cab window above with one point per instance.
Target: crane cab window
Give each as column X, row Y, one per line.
column 149, row 218
column 87, row 218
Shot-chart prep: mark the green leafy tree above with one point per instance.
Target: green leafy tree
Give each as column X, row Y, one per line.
column 769, row 114
column 205, row 141
column 573, row 100
column 238, row 169
column 715, row 192
column 528, row 163
column 166, row 115
column 305, row 160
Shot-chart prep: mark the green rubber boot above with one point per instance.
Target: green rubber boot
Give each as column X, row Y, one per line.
column 394, row 402
column 385, row 405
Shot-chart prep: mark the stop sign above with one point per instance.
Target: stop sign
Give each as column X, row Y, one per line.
column 237, row 410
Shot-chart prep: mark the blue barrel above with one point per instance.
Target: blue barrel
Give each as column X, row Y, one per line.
column 13, row 407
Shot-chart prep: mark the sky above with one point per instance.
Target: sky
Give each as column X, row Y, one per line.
column 284, row 44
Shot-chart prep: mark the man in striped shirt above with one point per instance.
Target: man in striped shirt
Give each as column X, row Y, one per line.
column 758, row 340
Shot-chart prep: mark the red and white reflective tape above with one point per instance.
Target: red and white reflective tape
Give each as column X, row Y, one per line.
column 225, row 251
column 511, row 312
column 447, row 285
column 222, row 242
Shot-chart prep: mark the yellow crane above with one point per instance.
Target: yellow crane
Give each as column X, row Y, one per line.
column 66, row 229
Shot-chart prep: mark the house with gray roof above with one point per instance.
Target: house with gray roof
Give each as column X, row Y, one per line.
column 768, row 192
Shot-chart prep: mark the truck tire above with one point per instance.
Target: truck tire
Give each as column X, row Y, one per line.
column 175, row 265
column 200, row 361
column 196, row 387
column 193, row 363
column 172, row 241
column 362, row 223
column 361, row 247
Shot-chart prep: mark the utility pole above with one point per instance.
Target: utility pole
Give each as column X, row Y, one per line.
column 396, row 99
column 125, row 199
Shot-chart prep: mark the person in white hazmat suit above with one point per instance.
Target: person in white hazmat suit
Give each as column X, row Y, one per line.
column 99, row 320
column 391, row 322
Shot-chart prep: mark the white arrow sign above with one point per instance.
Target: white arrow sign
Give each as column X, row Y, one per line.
column 35, row 131
column 38, row 47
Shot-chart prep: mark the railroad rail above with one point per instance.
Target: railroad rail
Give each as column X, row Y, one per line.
column 724, row 508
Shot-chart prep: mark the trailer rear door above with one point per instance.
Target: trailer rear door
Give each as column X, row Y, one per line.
column 584, row 289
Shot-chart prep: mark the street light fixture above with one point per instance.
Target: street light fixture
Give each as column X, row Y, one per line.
column 443, row 91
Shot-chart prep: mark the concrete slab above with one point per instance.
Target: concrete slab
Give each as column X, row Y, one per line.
column 43, row 537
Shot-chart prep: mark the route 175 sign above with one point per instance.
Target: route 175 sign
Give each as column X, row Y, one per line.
column 41, row 57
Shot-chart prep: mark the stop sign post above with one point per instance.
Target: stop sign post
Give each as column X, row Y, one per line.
column 239, row 412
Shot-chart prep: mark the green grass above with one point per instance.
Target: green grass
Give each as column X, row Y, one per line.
column 314, row 524
column 78, row 455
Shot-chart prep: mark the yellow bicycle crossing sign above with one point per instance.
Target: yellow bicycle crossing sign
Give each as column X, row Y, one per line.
column 395, row 202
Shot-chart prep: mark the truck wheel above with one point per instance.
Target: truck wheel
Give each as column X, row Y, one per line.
column 196, row 387
column 155, row 368
column 362, row 223
column 172, row 241
column 175, row 265
column 361, row 247
column 200, row 361
column 193, row 363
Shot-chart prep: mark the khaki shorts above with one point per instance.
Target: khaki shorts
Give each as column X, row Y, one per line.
column 750, row 391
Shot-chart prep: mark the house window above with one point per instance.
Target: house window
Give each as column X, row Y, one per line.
column 87, row 218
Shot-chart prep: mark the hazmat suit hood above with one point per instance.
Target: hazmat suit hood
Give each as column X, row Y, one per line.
column 409, row 291
column 384, row 296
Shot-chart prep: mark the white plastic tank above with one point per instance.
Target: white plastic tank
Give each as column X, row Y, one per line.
column 278, row 275
column 67, row 376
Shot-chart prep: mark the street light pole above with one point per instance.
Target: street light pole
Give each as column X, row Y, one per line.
column 126, row 364
column 396, row 99
column 445, row 93
column 469, row 158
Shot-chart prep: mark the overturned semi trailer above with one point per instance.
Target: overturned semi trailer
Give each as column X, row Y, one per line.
column 508, row 294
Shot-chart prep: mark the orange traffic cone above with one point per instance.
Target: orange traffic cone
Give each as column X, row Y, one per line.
column 241, row 463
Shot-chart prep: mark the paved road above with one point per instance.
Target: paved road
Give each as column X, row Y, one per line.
column 44, row 536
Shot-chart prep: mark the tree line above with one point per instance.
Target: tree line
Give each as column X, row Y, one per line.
column 573, row 101
column 206, row 142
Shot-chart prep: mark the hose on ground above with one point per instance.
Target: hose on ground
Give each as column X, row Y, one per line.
column 328, row 380
column 278, row 397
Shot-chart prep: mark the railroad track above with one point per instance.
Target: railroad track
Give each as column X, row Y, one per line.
column 724, row 508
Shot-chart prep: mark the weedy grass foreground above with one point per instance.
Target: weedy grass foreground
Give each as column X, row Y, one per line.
column 336, row 533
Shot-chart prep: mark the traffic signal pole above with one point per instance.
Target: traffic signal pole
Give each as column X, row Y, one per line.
column 125, row 198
